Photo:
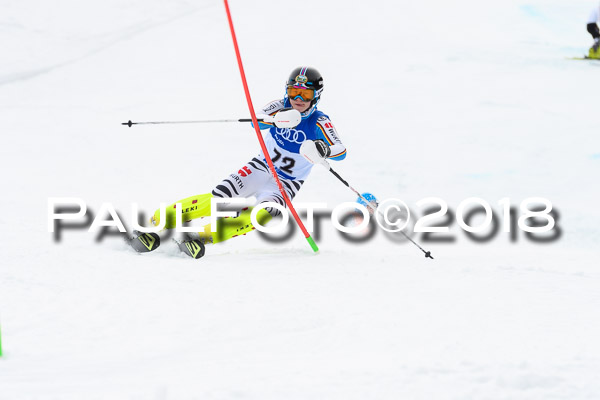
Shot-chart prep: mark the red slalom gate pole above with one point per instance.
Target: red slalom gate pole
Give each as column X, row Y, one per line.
column 310, row 240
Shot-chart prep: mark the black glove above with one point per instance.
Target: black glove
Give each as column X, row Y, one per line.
column 322, row 148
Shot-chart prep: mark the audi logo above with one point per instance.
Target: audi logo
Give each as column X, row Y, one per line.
column 291, row 135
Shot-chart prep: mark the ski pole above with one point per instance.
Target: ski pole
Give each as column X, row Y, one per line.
column 204, row 121
column 287, row 118
column 326, row 164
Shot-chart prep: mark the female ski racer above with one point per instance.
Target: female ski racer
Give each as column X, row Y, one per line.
column 293, row 151
column 592, row 28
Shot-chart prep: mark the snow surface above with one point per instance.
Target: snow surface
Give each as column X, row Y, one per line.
column 448, row 99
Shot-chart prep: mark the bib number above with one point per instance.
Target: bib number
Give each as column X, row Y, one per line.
column 288, row 163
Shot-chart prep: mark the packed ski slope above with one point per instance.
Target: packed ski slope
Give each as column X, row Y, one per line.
column 447, row 99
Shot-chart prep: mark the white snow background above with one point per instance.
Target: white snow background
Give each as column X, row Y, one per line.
column 452, row 99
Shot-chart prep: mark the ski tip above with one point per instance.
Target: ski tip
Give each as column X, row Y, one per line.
column 192, row 248
column 583, row 58
column 145, row 242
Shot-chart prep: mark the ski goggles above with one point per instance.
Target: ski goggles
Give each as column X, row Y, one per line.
column 304, row 93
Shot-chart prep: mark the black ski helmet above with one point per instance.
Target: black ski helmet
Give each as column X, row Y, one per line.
column 307, row 77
